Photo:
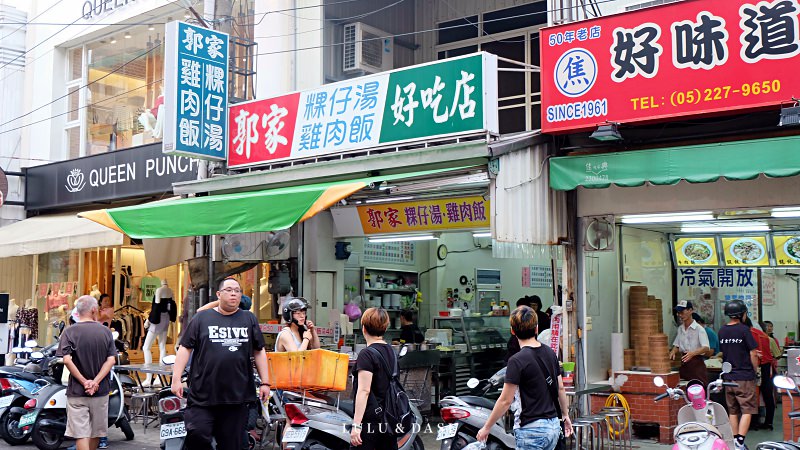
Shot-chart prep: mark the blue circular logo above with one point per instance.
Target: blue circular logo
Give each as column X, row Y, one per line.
column 575, row 72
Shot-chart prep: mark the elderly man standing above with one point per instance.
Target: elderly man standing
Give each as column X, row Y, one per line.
column 692, row 344
column 89, row 354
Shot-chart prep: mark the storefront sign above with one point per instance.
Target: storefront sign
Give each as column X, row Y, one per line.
column 97, row 8
column 274, row 328
column 719, row 278
column 425, row 215
column 196, row 89
column 745, row 251
column 696, row 251
column 687, row 58
column 555, row 332
column 3, row 187
column 108, row 176
column 787, row 250
column 452, row 97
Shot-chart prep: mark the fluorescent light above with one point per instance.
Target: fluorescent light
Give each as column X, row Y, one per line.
column 786, row 212
column 419, row 237
column 670, row 217
column 725, row 229
column 389, row 199
column 151, row 27
column 482, row 234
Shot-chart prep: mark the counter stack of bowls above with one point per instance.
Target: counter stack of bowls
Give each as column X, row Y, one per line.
column 637, row 301
column 659, row 353
column 655, row 303
column 629, row 358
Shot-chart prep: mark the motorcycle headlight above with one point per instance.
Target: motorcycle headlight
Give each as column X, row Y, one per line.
column 126, row 346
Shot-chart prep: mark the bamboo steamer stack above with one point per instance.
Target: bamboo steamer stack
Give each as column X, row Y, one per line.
column 643, row 323
column 653, row 302
column 659, row 353
column 629, row 358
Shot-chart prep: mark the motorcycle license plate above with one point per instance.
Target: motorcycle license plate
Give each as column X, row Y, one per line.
column 296, row 434
column 447, row 432
column 173, row 430
column 5, row 402
column 27, row 419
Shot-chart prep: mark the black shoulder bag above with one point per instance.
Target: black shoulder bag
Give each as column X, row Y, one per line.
column 552, row 387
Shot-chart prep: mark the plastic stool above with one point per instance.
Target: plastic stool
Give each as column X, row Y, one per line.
column 146, row 403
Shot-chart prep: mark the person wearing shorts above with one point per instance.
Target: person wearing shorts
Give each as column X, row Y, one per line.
column 89, row 354
column 739, row 348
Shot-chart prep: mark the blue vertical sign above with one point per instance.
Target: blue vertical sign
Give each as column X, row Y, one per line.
column 196, row 92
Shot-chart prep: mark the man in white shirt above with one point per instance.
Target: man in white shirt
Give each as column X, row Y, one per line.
column 692, row 344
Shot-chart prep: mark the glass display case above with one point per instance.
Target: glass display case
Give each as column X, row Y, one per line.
column 476, row 334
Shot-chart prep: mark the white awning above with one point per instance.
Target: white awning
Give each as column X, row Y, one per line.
column 55, row 233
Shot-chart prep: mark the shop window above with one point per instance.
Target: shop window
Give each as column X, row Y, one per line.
column 458, row 30
column 124, row 74
column 512, row 120
column 75, row 64
column 508, row 19
column 73, row 142
column 457, row 52
column 73, row 103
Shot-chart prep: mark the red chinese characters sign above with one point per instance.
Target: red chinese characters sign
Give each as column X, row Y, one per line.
column 425, row 215
column 687, row 58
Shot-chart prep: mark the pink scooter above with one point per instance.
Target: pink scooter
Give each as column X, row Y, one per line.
column 702, row 423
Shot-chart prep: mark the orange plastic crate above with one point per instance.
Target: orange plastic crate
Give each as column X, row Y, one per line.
column 320, row 370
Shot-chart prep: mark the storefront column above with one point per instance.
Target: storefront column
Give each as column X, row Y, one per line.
column 117, row 267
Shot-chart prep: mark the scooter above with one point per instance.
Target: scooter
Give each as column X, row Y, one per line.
column 46, row 415
column 789, row 385
column 322, row 422
column 702, row 423
column 467, row 414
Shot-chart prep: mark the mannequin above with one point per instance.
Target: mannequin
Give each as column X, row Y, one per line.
column 27, row 322
column 13, row 306
column 95, row 292
column 164, row 312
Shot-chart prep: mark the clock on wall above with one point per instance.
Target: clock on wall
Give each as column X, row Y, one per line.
column 441, row 252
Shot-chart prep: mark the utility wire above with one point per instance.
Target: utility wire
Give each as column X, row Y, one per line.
column 81, row 87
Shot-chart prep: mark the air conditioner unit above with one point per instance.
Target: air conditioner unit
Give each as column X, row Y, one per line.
column 367, row 49
column 264, row 246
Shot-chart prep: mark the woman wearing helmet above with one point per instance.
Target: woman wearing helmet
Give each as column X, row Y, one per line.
column 299, row 334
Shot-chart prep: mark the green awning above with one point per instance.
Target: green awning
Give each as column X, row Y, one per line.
column 740, row 160
column 242, row 212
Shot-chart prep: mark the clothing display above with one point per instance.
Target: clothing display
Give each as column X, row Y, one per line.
column 129, row 323
column 29, row 317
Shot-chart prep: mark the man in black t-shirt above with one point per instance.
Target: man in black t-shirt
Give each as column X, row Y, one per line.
column 739, row 348
column 534, row 369
column 221, row 342
column 409, row 331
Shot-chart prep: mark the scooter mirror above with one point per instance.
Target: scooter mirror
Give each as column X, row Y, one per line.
column 115, row 334
column 658, row 381
column 472, row 383
column 783, row 382
column 403, row 351
column 31, row 343
column 17, row 350
column 726, row 367
column 37, row 355
column 168, row 360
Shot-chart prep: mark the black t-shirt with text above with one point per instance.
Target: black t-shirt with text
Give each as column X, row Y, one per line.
column 525, row 372
column 368, row 360
column 735, row 343
column 222, row 346
column 90, row 344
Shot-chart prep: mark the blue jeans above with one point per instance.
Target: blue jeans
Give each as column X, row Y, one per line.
column 540, row 434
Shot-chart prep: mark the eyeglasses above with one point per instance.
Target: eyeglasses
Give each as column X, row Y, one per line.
column 232, row 291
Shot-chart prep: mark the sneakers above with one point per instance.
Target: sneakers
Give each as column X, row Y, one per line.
column 103, row 443
column 740, row 446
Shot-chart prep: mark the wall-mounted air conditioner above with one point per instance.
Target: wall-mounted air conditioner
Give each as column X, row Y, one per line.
column 367, row 49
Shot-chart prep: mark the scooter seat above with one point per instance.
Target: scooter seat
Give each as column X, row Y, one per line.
column 478, row 401
column 794, row 415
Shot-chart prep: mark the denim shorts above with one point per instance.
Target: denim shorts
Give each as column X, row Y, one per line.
column 540, row 434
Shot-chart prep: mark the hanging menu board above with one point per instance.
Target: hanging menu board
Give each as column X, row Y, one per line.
column 696, row 251
column 787, row 250
column 745, row 250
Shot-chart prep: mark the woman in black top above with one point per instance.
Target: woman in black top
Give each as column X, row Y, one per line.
column 371, row 383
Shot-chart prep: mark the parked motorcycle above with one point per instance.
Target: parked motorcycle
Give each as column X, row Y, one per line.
column 46, row 414
column 466, row 415
column 702, row 423
column 322, row 422
column 789, row 385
